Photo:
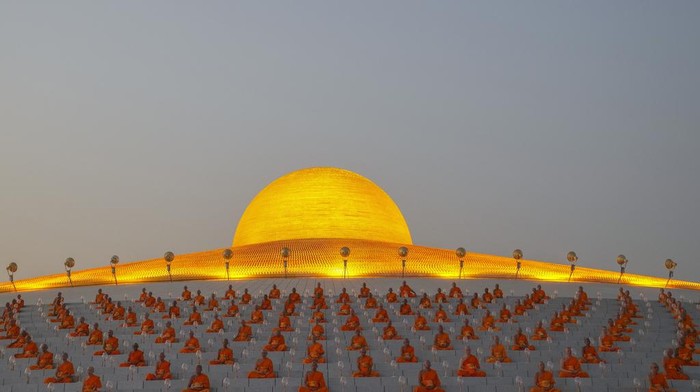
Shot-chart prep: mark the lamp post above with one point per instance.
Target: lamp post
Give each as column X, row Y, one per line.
column 68, row 264
column 670, row 266
column 571, row 256
column 114, row 261
column 622, row 262
column 169, row 257
column 285, row 255
column 460, row 252
column 228, row 255
column 517, row 255
column 403, row 252
column 345, row 252
column 11, row 269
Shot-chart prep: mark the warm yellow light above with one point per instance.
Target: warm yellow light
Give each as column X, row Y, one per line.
column 321, row 202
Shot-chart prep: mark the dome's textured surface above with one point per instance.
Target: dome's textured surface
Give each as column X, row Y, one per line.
column 321, row 202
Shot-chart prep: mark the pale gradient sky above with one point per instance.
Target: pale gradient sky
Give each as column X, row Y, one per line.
column 133, row 128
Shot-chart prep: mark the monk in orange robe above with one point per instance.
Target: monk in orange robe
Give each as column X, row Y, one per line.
column 589, row 353
column 64, row 372
column 45, row 360
column 246, row 297
column 408, row 353
column 371, row 302
column 110, row 346
column 520, row 342
column 476, row 302
column 425, row 302
column 216, row 325
column 345, row 309
column 213, row 303
column 318, row 316
column 461, row 309
column 544, row 381
column 13, row 330
column 315, row 352
column 285, row 323
column 230, row 293
column 343, row 297
column 365, row 365
column 504, row 315
column 657, row 380
column 391, row 296
column 135, row 358
column 352, row 323
column 420, row 323
column 266, row 304
column 428, row 380
column 119, row 312
column 442, row 340
column 20, row 341
column 158, row 306
column 455, row 292
column 276, row 343
column 497, row 292
column 440, row 297
column 245, row 332
column 257, row 316
column 405, row 291
column 673, row 367
column 95, row 337
column 191, row 345
column 314, row 381
column 358, row 341
column 274, row 292
column 405, row 309
column 151, row 301
column 68, row 321
column 173, row 311
column 195, row 317
column 364, row 291
column 319, row 302
column 389, row 332
column 199, row 298
column 519, row 308
column 318, row 332
column 224, row 356
column 467, row 331
column 441, row 315
column 382, row 316
column 486, row 297
column 470, row 366
column 199, row 382
column 168, row 334
column 99, row 298
column 232, row 310
column 263, row 368
column 131, row 318
column 92, row 382
column 571, row 366
column 685, row 355
column 147, row 326
column 143, row 295
column 29, row 350
column 162, row 370
column 488, row 323
column 498, row 352
column 540, row 332
column 186, row 294
column 294, row 297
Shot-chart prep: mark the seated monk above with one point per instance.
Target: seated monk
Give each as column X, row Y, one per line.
column 168, row 334
column 364, row 291
column 20, row 341
column 352, row 323
column 557, row 323
column 589, row 353
column 285, row 323
column 467, row 331
column 147, row 326
column 504, row 315
column 343, row 297
column 345, row 309
column 440, row 297
column 257, row 316
column 12, row 331
column 232, row 310
column 173, row 311
column 216, row 325
column 92, row 382
column 519, row 309
column 274, row 292
column 358, row 342
column 109, row 308
column 371, row 302
column 544, row 381
column 266, row 304
column 540, row 332
column 246, row 297
column 441, row 315
column 498, row 352
column 110, row 346
column 420, row 323
column 199, row 298
column 365, row 365
column 99, row 298
column 391, row 296
column 68, row 321
column 455, row 292
column 95, row 337
column 131, row 318
column 191, row 345
column 428, row 380
column 616, row 332
column 143, row 295
column 150, row 300
column 318, row 316
column 382, row 316
column 224, row 356
column 136, row 358
column 319, row 302
column 162, row 370
column 230, row 293
column 673, row 367
column 263, row 368
column 497, row 292
column 488, row 323
column 64, row 372
column 476, row 302
column 294, row 297
column 45, row 360
column 470, row 366
column 405, row 309
column 389, row 332
column 318, row 332
column 408, row 353
column 425, row 302
column 685, row 355
column 314, row 381
column 118, row 313
column 571, row 366
column 442, row 340
column 186, row 294
column 29, row 350
column 158, row 306
column 199, row 382
column 318, row 290
column 461, row 309
column 539, row 295
column 245, row 332
column 486, row 297
column 195, row 317
column 657, row 380
column 276, row 342
column 213, row 304
column 520, row 342
column 405, row 291
column 315, row 352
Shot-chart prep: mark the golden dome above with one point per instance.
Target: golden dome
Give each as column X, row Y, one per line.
column 321, row 202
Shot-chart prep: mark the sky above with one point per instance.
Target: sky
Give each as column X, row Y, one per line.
column 132, row 128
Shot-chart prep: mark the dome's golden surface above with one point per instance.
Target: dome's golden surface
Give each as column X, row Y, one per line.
column 321, row 202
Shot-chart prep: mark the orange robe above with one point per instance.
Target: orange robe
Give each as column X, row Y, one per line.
column 263, row 369
column 213, row 304
column 429, row 379
column 405, row 310
column 364, row 367
column 135, row 358
column 442, row 341
column 498, row 354
column 256, row 317
column 318, row 332
column 673, row 369
column 468, row 332
column 83, row 329
column 589, row 355
column 64, row 374
column 343, row 298
column 168, row 335
column 421, row 324
column 455, row 292
column 285, row 324
column 232, row 311
column 111, row 347
column 521, row 343
column 194, row 318
column 658, row 383
column 216, row 325
column 315, row 352
column 441, row 316
column 29, row 350
column 244, row 334
column 540, row 334
column 162, row 372
column 488, row 323
column 314, row 382
column 392, row 298
column 544, row 382
column 95, row 338
column 382, row 316
column 173, row 311
column 224, row 357
column 199, row 384
column 131, row 319
column 357, row 342
column 191, row 346
column 276, row 343
column 352, row 323
column 470, row 368
column 572, row 368
column 390, row 333
column 274, row 294
column 606, row 344
column 461, row 309
column 67, row 323
column 408, row 354
column 45, row 361
column 146, row 327
column 92, row 383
